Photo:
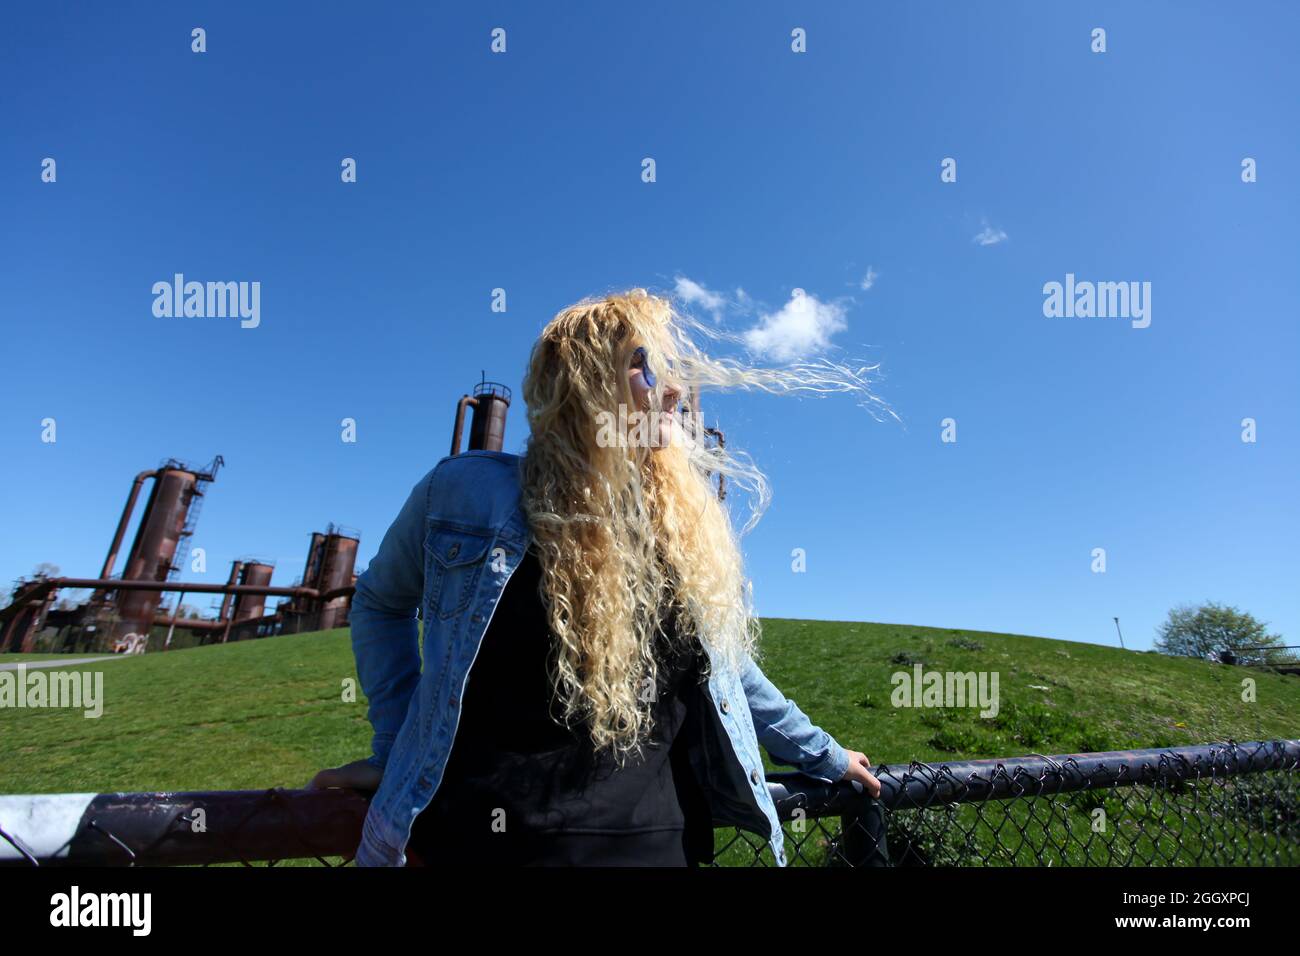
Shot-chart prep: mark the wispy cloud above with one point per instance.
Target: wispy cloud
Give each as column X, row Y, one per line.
column 989, row 236
column 869, row 279
column 802, row 326
column 693, row 293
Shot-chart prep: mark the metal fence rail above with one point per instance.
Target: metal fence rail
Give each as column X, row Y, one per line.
column 1204, row 805
column 1283, row 658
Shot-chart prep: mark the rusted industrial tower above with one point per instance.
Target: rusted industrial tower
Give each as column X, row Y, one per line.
column 340, row 557
column 250, row 607
column 331, row 558
column 161, row 541
column 487, row 429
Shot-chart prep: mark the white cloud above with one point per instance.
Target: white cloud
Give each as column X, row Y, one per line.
column 692, row 293
column 869, row 279
column 802, row 326
column 988, row 236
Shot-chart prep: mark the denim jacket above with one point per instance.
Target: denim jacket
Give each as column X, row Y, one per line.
column 449, row 554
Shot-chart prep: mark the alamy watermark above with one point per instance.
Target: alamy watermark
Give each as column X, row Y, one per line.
column 1103, row 300
column 219, row 300
column 75, row 908
column 638, row 428
column 946, row 689
column 46, row 687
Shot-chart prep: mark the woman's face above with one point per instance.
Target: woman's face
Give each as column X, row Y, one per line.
column 641, row 378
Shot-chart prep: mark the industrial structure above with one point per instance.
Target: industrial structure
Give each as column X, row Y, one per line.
column 162, row 540
column 487, row 428
column 123, row 610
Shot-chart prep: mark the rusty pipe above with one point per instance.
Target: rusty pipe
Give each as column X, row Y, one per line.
column 189, row 623
column 721, row 437
column 143, row 585
column 693, row 405
column 124, row 520
column 225, row 615
column 171, row 627
column 235, row 567
column 52, row 584
column 460, row 422
column 267, row 589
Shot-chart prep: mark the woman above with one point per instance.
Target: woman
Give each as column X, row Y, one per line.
column 595, row 587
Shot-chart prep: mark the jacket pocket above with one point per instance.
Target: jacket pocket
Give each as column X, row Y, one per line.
column 454, row 556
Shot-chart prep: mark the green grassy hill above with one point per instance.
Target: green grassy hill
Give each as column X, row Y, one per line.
column 270, row 713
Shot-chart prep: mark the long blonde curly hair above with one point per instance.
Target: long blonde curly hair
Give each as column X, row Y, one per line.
column 625, row 534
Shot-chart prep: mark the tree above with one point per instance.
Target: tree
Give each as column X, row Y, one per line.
column 1213, row 628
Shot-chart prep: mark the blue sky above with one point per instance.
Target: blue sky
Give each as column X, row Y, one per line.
column 775, row 171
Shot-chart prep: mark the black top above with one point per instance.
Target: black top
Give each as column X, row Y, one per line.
column 520, row 788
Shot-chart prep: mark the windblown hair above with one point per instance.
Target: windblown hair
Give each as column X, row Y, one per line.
column 625, row 534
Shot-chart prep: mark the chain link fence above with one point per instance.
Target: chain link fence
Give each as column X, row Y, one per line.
column 1221, row 804
column 1282, row 658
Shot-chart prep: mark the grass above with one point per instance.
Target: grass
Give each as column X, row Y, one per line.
column 270, row 713
column 1056, row 697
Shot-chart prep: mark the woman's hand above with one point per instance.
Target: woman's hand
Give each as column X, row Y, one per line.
column 858, row 764
column 359, row 775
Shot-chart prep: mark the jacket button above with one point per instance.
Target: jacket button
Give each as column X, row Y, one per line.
column 453, row 550
column 754, row 776
column 726, row 707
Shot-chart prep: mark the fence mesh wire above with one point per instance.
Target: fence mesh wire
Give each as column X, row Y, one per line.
column 1223, row 804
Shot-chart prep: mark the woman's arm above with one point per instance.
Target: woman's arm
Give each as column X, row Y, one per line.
column 786, row 732
column 385, row 632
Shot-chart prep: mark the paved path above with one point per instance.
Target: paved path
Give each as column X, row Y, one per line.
column 63, row 663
